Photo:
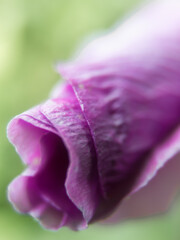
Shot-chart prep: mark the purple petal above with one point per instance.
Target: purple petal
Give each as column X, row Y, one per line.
column 82, row 180
column 49, row 217
column 157, row 186
column 116, row 110
column 126, row 94
column 144, row 34
column 158, row 158
column 22, row 193
column 54, row 140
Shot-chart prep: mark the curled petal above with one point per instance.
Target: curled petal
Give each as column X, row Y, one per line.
column 61, row 166
column 82, row 184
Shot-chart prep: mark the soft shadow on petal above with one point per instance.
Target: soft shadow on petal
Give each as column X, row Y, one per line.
column 23, row 194
column 157, row 187
column 163, row 153
column 49, row 216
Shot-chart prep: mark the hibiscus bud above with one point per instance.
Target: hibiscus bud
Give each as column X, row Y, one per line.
column 108, row 140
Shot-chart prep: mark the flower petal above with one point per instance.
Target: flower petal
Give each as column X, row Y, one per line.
column 158, row 158
column 82, row 183
column 25, row 132
column 55, row 141
column 158, row 184
column 125, row 94
column 23, row 194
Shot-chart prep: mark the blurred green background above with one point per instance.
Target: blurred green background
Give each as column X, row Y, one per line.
column 34, row 35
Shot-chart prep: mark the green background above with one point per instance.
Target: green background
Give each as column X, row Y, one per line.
column 34, row 35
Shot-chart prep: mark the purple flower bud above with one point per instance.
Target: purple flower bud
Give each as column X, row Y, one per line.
column 107, row 142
